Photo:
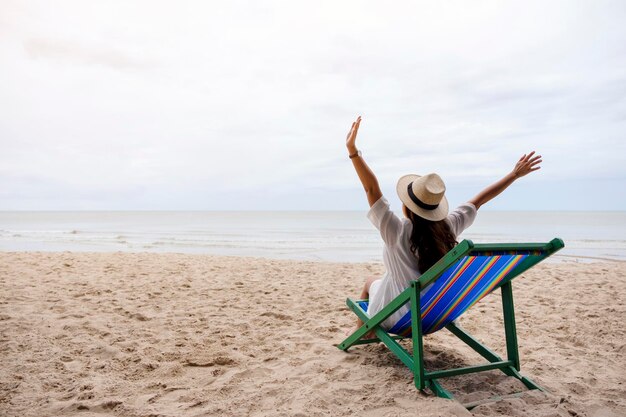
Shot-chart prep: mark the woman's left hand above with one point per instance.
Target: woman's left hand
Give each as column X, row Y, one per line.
column 351, row 138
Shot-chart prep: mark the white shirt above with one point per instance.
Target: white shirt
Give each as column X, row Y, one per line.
column 400, row 263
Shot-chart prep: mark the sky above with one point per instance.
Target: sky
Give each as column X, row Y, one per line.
column 245, row 105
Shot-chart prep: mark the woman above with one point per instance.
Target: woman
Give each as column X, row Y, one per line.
column 415, row 243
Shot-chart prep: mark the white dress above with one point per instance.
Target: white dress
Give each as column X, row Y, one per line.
column 400, row 263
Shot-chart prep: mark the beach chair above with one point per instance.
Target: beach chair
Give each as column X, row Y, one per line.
column 455, row 283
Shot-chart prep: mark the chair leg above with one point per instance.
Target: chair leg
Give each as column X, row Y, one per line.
column 509, row 325
column 440, row 391
column 416, row 331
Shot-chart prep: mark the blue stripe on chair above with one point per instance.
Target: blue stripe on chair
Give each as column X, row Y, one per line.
column 435, row 312
column 402, row 324
column 480, row 283
column 459, row 287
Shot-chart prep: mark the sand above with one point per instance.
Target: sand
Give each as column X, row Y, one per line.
column 191, row 335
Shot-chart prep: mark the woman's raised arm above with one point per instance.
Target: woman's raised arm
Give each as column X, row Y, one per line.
column 367, row 177
column 525, row 165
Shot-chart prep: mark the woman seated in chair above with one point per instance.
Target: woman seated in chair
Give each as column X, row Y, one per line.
column 428, row 231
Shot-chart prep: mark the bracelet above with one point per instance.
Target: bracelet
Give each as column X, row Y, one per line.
column 354, row 155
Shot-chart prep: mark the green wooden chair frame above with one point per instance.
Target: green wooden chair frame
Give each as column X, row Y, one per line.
column 415, row 361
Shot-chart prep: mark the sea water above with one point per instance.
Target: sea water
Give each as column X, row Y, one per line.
column 345, row 236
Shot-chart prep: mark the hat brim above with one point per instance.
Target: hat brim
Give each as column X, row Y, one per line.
column 440, row 213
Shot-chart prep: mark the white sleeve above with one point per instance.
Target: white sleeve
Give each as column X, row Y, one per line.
column 462, row 218
column 389, row 225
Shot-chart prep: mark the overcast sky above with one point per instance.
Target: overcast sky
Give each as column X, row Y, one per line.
column 208, row 105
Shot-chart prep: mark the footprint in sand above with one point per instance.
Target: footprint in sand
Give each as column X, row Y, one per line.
column 278, row 316
column 219, row 360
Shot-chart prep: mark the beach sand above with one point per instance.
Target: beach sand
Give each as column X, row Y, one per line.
column 189, row 335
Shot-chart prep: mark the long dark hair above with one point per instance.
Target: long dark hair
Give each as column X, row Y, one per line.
column 429, row 240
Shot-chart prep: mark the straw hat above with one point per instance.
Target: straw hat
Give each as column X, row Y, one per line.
column 424, row 195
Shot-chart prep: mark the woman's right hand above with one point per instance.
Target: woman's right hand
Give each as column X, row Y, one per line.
column 527, row 164
column 351, row 138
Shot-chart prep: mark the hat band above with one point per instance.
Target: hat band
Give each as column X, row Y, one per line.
column 419, row 202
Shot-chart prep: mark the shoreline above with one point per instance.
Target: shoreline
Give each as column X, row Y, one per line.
column 314, row 236
column 185, row 334
column 554, row 259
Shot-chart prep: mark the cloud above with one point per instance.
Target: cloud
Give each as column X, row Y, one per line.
column 81, row 53
column 201, row 104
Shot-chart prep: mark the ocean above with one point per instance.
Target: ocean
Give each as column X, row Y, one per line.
column 344, row 236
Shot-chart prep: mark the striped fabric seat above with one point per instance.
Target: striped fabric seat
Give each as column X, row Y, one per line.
column 459, row 288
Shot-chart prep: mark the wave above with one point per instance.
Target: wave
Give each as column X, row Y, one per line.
column 336, row 236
